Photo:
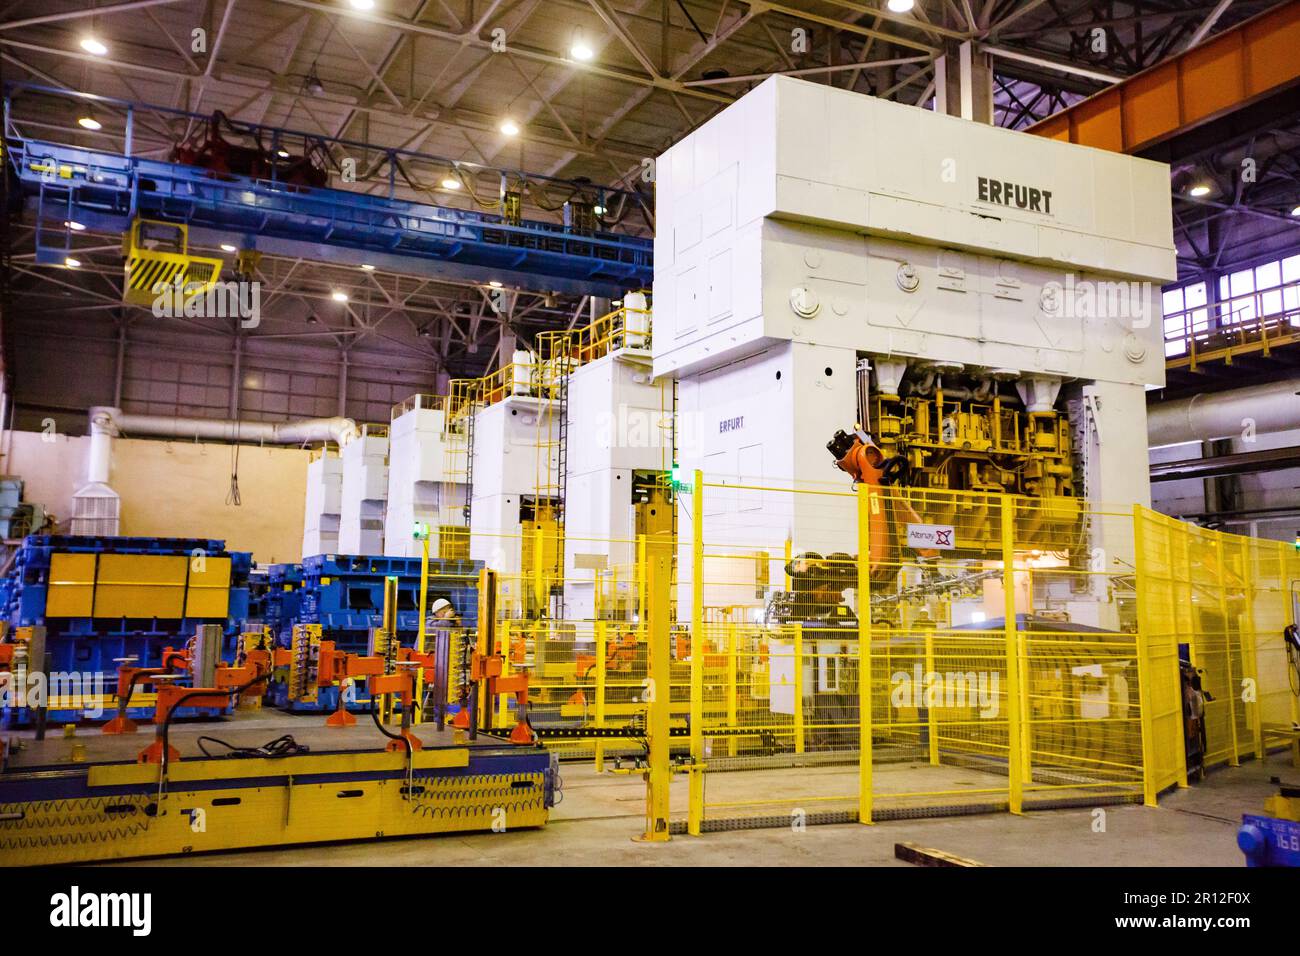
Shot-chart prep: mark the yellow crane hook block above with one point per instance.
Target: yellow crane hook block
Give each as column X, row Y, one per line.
column 156, row 256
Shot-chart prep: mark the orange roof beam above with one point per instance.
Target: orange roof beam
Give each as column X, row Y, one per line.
column 1243, row 64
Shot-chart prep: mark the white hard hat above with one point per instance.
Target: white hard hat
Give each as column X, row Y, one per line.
column 441, row 604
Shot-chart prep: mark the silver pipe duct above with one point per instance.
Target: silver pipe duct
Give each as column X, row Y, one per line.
column 1257, row 409
column 115, row 421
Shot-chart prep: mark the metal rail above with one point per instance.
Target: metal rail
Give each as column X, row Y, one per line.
column 105, row 191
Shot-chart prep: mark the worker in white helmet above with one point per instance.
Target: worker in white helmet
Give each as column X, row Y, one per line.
column 442, row 618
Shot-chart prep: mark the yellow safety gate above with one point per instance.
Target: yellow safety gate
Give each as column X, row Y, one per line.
column 1019, row 653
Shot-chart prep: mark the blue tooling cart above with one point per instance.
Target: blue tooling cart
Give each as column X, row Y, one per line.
column 344, row 595
column 90, row 603
column 280, row 603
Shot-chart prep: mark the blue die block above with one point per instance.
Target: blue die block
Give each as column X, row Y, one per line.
column 1268, row 841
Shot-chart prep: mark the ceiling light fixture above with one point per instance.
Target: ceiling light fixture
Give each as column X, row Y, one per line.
column 580, row 50
column 362, row 4
column 282, row 153
column 312, row 83
column 509, row 127
column 367, row 266
column 1200, row 189
column 901, row 6
column 72, row 263
column 1296, row 211
column 338, row 295
column 93, row 45
column 75, row 226
column 495, row 284
column 227, row 247
column 89, row 122
column 451, row 183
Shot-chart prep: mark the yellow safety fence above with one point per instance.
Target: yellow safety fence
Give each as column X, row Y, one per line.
column 1019, row 653
column 1227, row 599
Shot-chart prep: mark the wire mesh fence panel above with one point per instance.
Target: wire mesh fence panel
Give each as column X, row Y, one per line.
column 773, row 640
column 941, row 690
column 1238, row 608
column 1078, row 640
column 1215, row 646
column 1216, row 606
column 1165, row 618
column 1274, row 569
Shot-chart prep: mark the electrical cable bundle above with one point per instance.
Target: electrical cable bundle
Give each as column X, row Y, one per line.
column 284, row 746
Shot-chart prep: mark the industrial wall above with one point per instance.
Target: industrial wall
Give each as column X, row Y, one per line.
column 1271, row 499
column 176, row 488
column 165, row 371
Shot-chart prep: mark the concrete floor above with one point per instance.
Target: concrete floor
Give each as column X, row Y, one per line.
column 600, row 814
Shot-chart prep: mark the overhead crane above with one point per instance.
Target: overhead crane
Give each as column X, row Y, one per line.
column 109, row 190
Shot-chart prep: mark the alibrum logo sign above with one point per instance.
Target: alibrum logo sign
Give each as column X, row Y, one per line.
column 221, row 300
column 941, row 536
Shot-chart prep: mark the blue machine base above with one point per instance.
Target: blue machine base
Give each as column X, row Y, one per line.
column 1268, row 841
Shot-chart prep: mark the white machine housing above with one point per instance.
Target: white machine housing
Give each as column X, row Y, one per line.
column 365, row 491
column 805, row 224
column 619, row 424
column 505, row 470
column 426, row 471
column 324, row 506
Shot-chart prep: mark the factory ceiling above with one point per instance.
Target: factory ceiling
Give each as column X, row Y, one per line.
column 579, row 89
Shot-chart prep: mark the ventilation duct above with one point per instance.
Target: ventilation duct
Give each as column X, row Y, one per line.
column 1257, row 409
column 96, row 508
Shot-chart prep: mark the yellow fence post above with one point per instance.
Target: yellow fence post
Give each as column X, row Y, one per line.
column 1175, row 587
column 420, row 632
column 695, row 813
column 1146, row 666
column 539, row 588
column 641, row 576
column 1249, row 649
column 931, row 713
column 864, row 655
column 659, row 775
column 1285, row 559
column 1233, row 690
column 796, row 650
column 732, row 693
column 602, row 645
column 1015, row 756
column 487, row 612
